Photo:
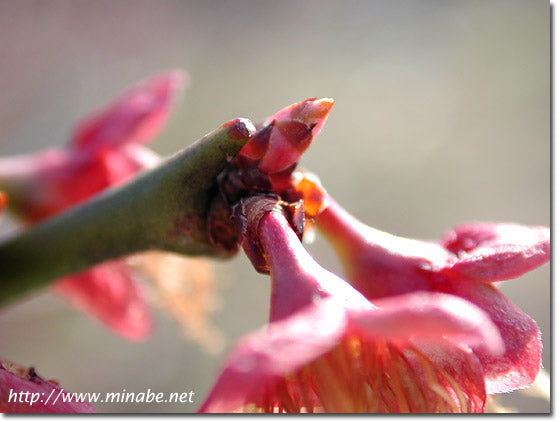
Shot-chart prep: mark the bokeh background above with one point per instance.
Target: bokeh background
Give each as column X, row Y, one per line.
column 442, row 116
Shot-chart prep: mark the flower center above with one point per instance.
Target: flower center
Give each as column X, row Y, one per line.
column 365, row 376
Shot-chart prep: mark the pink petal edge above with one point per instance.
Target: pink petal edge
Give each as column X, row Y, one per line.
column 520, row 363
column 429, row 317
column 496, row 252
column 135, row 117
column 282, row 347
column 109, row 292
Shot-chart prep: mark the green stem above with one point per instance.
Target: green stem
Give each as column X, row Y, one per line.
column 164, row 208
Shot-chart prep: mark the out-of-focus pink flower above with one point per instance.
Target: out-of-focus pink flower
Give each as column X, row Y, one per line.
column 464, row 263
column 328, row 349
column 23, row 391
column 136, row 117
column 105, row 150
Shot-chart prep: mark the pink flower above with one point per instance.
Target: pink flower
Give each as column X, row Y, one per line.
column 464, row 263
column 328, row 349
column 105, row 150
column 23, row 391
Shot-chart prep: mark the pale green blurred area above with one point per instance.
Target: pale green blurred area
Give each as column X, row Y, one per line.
column 441, row 117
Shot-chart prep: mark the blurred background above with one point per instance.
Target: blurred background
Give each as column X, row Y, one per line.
column 441, row 116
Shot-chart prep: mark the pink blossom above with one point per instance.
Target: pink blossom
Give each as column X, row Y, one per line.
column 328, row 349
column 105, row 150
column 23, row 391
column 464, row 263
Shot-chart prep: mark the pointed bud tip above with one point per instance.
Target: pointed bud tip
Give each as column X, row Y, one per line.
column 323, row 106
column 312, row 110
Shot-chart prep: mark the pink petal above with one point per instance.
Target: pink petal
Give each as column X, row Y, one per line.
column 495, row 252
column 109, row 292
column 286, row 345
column 520, row 363
column 42, row 393
column 74, row 177
column 428, row 317
column 135, row 117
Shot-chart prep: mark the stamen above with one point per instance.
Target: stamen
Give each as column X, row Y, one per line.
column 434, row 383
column 360, row 376
column 332, row 395
column 393, row 381
column 411, row 383
column 303, row 380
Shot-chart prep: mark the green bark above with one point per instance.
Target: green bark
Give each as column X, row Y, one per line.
column 164, row 208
